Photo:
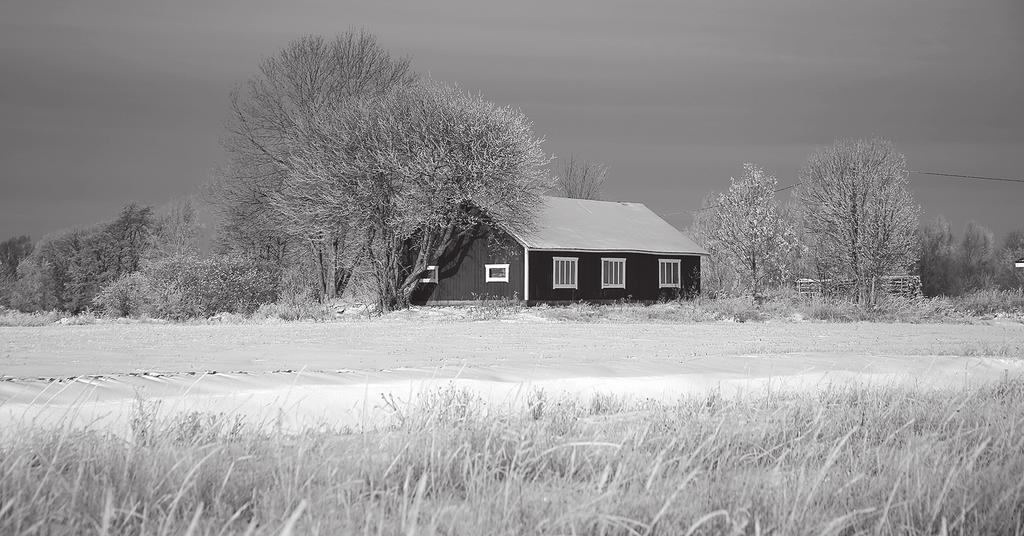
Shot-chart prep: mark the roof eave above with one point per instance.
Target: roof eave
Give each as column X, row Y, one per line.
column 620, row 250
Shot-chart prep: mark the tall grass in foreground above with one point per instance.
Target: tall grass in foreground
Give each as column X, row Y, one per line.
column 846, row 461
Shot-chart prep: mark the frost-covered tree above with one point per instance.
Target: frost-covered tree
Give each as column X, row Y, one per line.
column 855, row 204
column 414, row 171
column 176, row 230
column 12, row 252
column 746, row 232
column 271, row 115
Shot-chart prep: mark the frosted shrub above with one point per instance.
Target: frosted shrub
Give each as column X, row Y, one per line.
column 188, row 286
column 129, row 295
column 181, row 287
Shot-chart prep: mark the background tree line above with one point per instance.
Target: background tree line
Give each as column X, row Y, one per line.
column 852, row 220
column 144, row 260
column 951, row 267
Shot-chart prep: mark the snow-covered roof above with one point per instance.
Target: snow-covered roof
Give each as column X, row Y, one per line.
column 1019, row 263
column 584, row 225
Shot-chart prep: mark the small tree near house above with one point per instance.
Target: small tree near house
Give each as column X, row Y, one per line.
column 747, row 233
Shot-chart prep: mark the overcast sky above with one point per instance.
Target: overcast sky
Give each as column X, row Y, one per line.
column 105, row 102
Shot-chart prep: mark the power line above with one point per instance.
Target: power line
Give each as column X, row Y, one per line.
column 935, row 173
column 976, row 177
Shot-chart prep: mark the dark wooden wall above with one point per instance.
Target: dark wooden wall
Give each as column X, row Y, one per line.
column 641, row 277
column 461, row 274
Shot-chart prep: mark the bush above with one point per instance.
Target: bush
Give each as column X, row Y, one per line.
column 129, row 295
column 186, row 286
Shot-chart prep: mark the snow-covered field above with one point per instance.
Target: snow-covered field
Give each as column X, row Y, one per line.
column 360, row 373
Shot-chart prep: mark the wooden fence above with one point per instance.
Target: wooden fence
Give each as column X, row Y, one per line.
column 906, row 286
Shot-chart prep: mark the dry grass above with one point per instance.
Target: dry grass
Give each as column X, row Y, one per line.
column 13, row 318
column 788, row 306
column 782, row 305
column 845, row 461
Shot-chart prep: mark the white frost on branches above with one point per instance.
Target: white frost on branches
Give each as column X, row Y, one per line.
column 856, row 206
column 747, row 234
column 414, row 171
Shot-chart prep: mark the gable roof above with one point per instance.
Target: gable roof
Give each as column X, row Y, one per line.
column 584, row 225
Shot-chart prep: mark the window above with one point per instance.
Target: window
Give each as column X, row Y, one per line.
column 496, row 273
column 430, row 276
column 564, row 275
column 668, row 273
column 613, row 273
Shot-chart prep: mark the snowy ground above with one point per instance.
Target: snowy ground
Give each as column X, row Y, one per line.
column 359, row 373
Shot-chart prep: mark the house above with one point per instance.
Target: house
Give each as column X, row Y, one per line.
column 579, row 250
column 1019, row 263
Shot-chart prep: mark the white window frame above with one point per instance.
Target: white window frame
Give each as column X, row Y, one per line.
column 487, row 273
column 679, row 273
column 575, row 262
column 431, row 269
column 618, row 260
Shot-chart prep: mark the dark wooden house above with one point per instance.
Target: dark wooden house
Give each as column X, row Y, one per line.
column 579, row 250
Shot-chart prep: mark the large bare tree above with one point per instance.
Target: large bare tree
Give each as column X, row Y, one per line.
column 746, row 232
column 416, row 170
column 856, row 206
column 579, row 179
column 301, row 85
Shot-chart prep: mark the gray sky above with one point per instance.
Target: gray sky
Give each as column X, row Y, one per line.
column 105, row 102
